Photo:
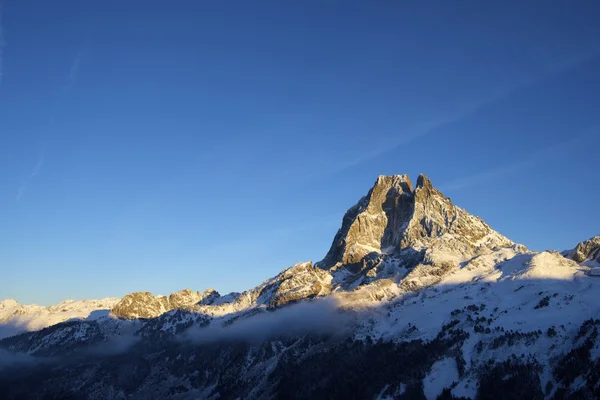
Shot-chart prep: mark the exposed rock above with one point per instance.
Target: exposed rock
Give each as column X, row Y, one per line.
column 141, row 305
column 209, row 296
column 145, row 305
column 301, row 281
column 184, row 298
column 587, row 251
column 376, row 222
column 393, row 217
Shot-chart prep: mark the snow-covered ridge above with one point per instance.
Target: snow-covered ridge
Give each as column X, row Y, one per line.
column 16, row 318
column 407, row 266
column 395, row 240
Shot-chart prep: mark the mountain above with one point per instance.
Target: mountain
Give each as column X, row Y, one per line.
column 416, row 298
column 393, row 217
column 16, row 318
column 586, row 252
column 145, row 305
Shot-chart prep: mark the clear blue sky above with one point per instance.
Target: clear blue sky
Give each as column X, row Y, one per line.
column 154, row 146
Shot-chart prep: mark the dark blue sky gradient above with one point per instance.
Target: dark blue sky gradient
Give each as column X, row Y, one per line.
column 150, row 145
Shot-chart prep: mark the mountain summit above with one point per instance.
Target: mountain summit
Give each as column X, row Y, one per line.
column 393, row 217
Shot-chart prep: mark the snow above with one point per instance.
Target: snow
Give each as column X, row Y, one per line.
column 519, row 290
column 510, row 288
column 595, row 271
column 16, row 318
column 466, row 388
column 442, row 375
column 482, row 283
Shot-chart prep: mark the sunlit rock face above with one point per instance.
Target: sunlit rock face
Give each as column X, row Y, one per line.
column 587, row 251
column 145, row 305
column 301, row 281
column 393, row 217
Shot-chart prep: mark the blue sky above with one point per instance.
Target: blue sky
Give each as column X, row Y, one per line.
column 153, row 146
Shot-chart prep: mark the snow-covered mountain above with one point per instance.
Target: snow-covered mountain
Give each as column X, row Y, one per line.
column 16, row 318
column 415, row 299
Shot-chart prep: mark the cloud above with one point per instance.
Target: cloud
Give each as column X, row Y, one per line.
column 466, row 110
column 11, row 360
column 34, row 172
column 317, row 317
column 38, row 166
column 536, row 158
column 114, row 344
column 21, row 190
column 69, row 83
column 72, row 76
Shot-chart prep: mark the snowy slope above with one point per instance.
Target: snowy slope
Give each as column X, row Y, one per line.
column 16, row 317
column 408, row 272
column 526, row 292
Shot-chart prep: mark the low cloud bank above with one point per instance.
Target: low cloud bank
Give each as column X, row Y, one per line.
column 314, row 317
column 115, row 344
column 9, row 360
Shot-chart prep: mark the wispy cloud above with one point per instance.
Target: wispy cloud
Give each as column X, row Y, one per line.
column 37, row 167
column 73, row 72
column 538, row 157
column 466, row 110
column 21, row 190
column 70, row 81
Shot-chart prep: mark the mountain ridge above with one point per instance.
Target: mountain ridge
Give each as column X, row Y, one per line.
column 409, row 275
column 395, row 219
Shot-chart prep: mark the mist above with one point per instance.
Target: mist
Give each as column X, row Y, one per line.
column 314, row 317
column 11, row 360
column 114, row 345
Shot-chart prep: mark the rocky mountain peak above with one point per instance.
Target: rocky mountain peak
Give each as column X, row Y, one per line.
column 146, row 305
column 587, row 252
column 393, row 216
column 399, row 182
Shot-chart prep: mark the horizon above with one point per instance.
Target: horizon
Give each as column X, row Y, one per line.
column 252, row 285
column 154, row 147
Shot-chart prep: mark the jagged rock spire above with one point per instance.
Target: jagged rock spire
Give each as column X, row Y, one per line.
column 370, row 225
column 393, row 216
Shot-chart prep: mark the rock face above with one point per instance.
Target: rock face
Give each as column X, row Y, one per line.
column 301, row 281
column 141, row 305
column 145, row 305
column 587, row 251
column 393, row 216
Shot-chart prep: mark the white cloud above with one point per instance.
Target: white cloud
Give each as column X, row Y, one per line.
column 318, row 316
